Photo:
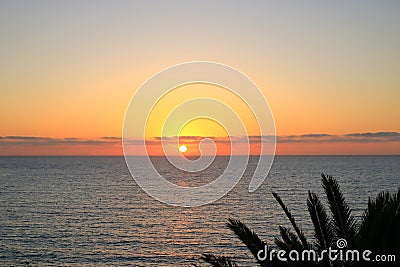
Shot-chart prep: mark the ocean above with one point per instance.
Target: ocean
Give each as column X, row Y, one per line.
column 88, row 211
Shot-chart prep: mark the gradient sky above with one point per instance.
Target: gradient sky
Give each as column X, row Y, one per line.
column 69, row 68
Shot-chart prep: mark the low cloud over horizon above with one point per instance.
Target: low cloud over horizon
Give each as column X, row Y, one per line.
column 304, row 138
column 314, row 143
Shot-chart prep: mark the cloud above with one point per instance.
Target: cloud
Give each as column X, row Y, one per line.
column 304, row 138
column 315, row 135
column 377, row 134
column 111, row 138
column 26, row 138
column 34, row 140
column 352, row 137
column 366, row 137
column 182, row 138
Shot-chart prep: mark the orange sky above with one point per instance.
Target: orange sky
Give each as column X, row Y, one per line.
column 68, row 73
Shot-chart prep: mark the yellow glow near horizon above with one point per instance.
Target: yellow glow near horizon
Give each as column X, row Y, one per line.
column 203, row 127
column 200, row 126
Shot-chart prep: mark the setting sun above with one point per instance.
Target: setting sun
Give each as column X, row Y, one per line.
column 183, row 148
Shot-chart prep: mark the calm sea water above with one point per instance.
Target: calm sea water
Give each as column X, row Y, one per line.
column 88, row 211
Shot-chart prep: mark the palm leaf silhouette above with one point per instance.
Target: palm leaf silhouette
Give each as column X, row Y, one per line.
column 292, row 221
column 288, row 241
column 380, row 226
column 379, row 230
column 248, row 237
column 322, row 224
column 344, row 224
column 323, row 230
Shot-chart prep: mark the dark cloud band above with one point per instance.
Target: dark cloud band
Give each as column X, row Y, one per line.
column 367, row 137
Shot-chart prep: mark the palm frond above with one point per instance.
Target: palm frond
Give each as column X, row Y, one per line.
column 323, row 228
column 248, row 237
column 379, row 229
column 288, row 241
column 344, row 224
column 218, row 261
column 298, row 231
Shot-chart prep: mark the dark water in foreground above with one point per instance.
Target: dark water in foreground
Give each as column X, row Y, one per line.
column 88, row 211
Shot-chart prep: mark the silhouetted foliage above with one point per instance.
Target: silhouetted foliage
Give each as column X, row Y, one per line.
column 378, row 231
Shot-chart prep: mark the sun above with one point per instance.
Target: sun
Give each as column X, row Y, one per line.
column 183, row 148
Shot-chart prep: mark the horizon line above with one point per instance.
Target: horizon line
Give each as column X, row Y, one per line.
column 281, row 155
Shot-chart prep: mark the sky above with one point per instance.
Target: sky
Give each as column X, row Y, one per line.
column 329, row 70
